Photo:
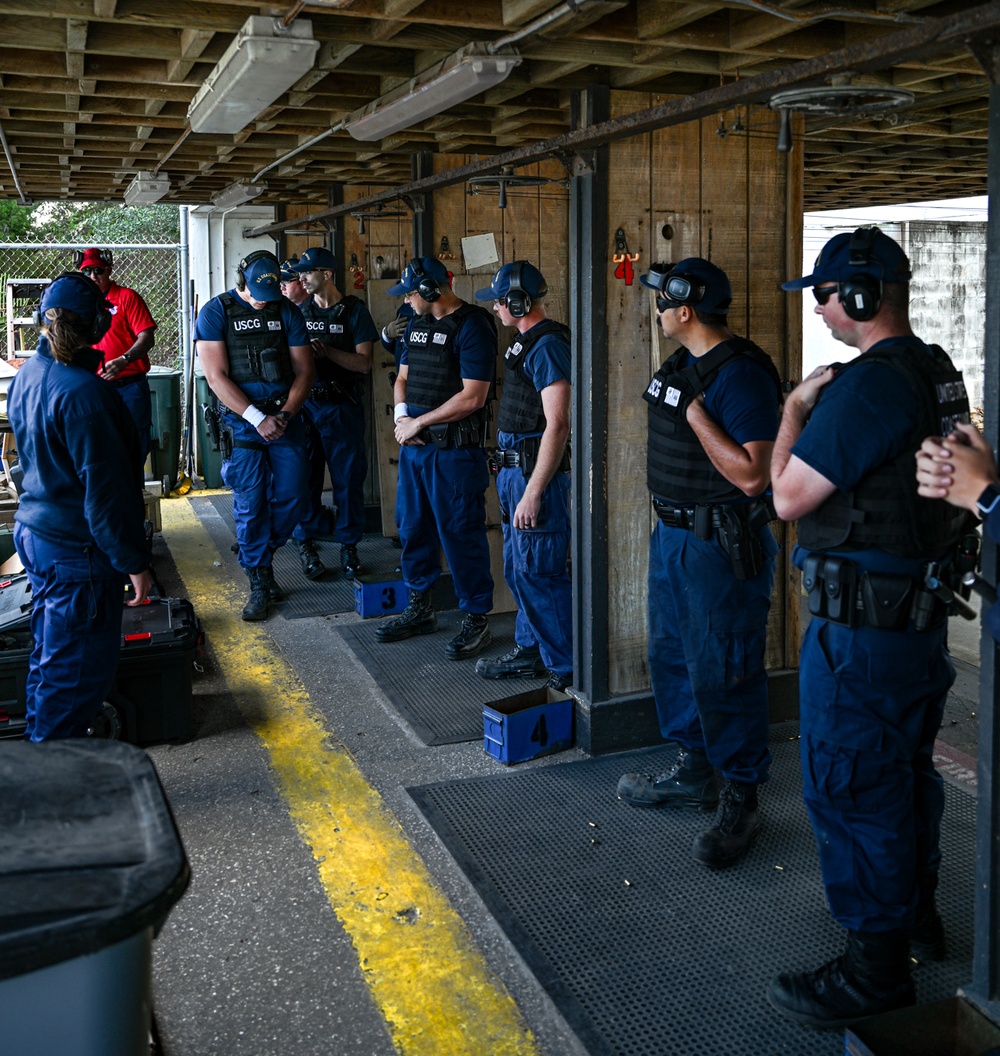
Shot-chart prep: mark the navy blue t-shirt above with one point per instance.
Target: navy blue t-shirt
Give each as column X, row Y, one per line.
column 864, row 417
column 546, row 362
column 742, row 400
column 211, row 322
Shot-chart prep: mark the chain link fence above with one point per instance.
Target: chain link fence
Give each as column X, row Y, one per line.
column 153, row 271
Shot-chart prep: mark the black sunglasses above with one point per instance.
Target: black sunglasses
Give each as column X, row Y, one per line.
column 502, row 301
column 662, row 304
column 93, row 271
column 824, row 293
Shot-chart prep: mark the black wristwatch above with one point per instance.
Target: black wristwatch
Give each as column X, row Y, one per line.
column 285, row 416
column 989, row 500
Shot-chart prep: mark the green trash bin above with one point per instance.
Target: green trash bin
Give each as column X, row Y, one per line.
column 165, row 450
column 209, row 455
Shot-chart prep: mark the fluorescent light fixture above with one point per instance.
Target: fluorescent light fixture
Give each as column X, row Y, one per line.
column 263, row 61
column 468, row 72
column 238, row 193
column 145, row 188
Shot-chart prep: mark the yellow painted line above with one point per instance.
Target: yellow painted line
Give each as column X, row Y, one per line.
column 426, row 976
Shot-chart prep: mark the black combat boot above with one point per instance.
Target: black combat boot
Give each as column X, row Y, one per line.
column 471, row 639
column 274, row 592
column 312, row 566
column 871, row 976
column 558, row 682
column 258, row 603
column 523, row 661
column 736, row 824
column 350, row 562
column 417, row 618
column 927, row 939
column 691, row 781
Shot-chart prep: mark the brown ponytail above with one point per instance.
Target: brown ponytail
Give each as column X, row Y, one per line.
column 66, row 333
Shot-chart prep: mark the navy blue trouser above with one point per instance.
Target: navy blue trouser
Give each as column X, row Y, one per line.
column 139, row 402
column 707, row 632
column 76, row 626
column 871, row 704
column 269, row 484
column 337, row 440
column 441, row 504
column 536, row 567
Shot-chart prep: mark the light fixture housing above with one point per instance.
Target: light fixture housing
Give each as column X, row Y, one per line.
column 145, row 188
column 263, row 61
column 238, row 193
column 466, row 73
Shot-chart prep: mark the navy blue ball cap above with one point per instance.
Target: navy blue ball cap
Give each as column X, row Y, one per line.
column 532, row 282
column 287, row 275
column 415, row 272
column 849, row 254
column 316, row 258
column 263, row 279
column 708, row 287
column 77, row 292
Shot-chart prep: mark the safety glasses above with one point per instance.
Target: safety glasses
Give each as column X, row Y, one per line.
column 824, row 293
column 93, row 271
column 501, row 301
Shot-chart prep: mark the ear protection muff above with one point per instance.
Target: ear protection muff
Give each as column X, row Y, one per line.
column 101, row 322
column 517, row 297
column 106, row 257
column 257, row 254
column 428, row 287
column 861, row 294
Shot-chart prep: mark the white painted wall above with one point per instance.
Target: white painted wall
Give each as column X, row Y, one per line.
column 946, row 243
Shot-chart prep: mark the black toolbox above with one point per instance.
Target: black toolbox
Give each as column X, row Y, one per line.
column 151, row 700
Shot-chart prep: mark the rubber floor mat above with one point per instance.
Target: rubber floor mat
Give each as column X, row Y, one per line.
column 330, row 594
column 644, row 951
column 441, row 699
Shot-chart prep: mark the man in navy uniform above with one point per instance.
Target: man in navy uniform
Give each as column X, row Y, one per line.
column 875, row 669
column 446, row 375
column 342, row 333
column 532, row 466
column 713, row 416
column 291, row 287
column 254, row 347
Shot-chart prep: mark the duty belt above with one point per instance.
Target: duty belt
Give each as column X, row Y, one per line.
column 331, row 393
column 525, row 455
column 842, row 593
column 690, row 518
column 120, row 383
column 271, row 405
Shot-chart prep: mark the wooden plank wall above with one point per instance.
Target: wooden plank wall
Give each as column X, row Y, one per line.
column 679, row 192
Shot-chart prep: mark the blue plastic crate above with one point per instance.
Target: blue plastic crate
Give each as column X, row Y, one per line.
column 378, row 597
column 527, row 725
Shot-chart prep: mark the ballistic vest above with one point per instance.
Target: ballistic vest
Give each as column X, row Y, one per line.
column 433, row 370
column 884, row 509
column 333, row 327
column 677, row 468
column 256, row 343
column 521, row 403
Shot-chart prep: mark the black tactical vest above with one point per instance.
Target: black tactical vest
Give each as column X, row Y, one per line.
column 521, row 403
column 677, row 468
column 433, row 371
column 256, row 342
column 884, row 509
column 332, row 326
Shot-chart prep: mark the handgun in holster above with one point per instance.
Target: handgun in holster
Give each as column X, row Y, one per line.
column 746, row 555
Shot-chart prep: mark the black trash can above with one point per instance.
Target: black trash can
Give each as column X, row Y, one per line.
column 90, row 866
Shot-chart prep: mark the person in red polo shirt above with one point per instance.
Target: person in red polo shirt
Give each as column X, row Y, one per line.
column 126, row 346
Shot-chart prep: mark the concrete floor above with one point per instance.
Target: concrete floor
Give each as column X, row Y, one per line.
column 254, row 960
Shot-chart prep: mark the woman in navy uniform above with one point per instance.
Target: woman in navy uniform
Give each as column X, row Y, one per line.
column 79, row 527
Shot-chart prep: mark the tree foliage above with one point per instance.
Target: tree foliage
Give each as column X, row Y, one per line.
column 16, row 221
column 103, row 223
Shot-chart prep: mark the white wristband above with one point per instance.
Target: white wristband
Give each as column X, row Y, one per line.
column 254, row 415
column 400, row 411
